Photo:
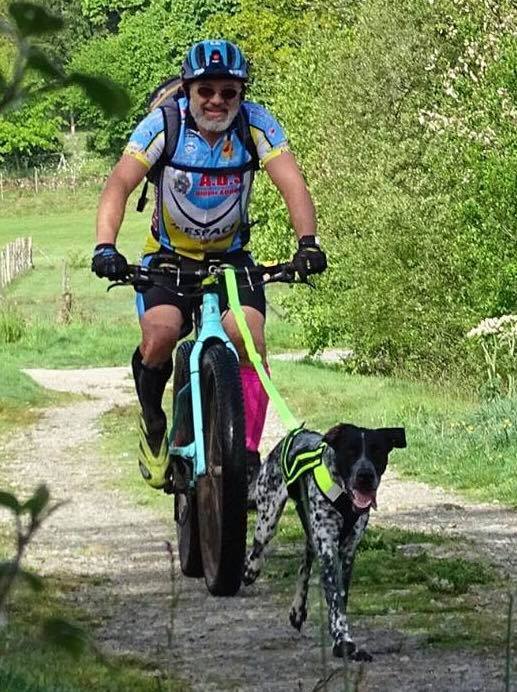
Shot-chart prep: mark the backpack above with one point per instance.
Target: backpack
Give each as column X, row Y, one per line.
column 166, row 97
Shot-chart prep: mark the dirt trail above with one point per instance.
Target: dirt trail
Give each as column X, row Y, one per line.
column 244, row 643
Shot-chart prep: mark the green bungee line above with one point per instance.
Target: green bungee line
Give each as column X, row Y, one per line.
column 281, row 407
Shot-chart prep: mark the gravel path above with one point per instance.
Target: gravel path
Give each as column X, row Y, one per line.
column 244, row 643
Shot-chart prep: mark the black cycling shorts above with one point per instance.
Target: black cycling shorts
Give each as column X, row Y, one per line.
column 252, row 296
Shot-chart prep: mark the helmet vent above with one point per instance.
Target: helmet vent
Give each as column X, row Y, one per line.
column 231, row 53
column 200, row 55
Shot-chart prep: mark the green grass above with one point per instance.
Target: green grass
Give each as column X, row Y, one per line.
column 453, row 440
column 30, row 663
column 21, row 399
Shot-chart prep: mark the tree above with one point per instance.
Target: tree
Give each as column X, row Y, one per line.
column 33, row 75
column 149, row 47
column 107, row 14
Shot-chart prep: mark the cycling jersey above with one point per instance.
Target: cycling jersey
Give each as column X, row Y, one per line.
column 203, row 193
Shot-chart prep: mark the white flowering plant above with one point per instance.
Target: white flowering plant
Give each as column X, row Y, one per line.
column 497, row 337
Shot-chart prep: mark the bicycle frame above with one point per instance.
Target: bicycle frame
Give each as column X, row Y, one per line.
column 211, row 330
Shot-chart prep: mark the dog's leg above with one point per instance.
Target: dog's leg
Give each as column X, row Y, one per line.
column 298, row 612
column 271, row 499
column 325, row 525
column 347, row 549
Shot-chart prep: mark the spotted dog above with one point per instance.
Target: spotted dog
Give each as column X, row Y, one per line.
column 333, row 479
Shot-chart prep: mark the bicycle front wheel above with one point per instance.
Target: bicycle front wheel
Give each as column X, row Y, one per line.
column 185, row 504
column 222, row 492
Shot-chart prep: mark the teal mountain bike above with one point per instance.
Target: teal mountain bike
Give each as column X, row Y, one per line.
column 207, row 474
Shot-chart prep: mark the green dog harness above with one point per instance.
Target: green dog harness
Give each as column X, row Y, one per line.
column 295, row 465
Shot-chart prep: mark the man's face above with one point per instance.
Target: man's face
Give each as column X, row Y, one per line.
column 214, row 103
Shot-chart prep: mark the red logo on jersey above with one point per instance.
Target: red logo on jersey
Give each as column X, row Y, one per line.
column 219, row 180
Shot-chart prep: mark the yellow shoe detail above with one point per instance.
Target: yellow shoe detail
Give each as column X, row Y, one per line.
column 153, row 467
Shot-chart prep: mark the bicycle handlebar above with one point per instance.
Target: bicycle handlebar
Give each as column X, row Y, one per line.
column 170, row 275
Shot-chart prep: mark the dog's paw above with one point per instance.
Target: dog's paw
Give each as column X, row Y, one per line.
column 361, row 655
column 297, row 616
column 249, row 575
column 342, row 649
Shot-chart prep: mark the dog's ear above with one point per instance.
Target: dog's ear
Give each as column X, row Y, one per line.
column 396, row 437
column 339, row 435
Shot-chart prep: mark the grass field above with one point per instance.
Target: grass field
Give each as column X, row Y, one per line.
column 31, row 662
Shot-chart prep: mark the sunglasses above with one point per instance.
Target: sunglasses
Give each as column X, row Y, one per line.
column 206, row 92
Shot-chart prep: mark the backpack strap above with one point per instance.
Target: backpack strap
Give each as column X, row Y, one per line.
column 171, row 129
column 244, row 131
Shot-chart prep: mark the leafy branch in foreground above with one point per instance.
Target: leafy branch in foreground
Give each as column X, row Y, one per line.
column 28, row 517
column 27, row 21
column 36, row 509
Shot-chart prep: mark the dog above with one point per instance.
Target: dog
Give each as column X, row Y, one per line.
column 334, row 494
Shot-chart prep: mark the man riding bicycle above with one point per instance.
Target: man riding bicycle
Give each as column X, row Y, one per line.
column 201, row 213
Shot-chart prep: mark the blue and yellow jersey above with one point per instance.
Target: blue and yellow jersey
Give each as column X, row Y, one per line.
column 203, row 192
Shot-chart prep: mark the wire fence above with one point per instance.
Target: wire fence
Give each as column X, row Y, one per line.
column 53, row 173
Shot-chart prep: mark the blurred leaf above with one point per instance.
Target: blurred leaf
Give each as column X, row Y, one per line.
column 66, row 635
column 5, row 27
column 7, row 568
column 33, row 580
column 38, row 501
column 39, row 61
column 9, row 500
column 33, row 20
column 113, row 99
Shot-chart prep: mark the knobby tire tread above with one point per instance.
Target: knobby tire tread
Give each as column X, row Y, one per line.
column 223, row 408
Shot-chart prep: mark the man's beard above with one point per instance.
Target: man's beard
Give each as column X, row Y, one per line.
column 213, row 125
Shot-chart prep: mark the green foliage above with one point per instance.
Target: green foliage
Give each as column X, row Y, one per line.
column 149, row 47
column 60, row 46
column 29, row 132
column 27, row 22
column 33, row 20
column 108, row 13
column 415, row 188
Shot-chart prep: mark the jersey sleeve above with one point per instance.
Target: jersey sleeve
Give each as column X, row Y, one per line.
column 147, row 142
column 266, row 131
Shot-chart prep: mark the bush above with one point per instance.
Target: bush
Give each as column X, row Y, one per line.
column 413, row 177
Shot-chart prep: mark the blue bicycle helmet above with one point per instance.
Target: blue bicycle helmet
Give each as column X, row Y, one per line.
column 214, row 59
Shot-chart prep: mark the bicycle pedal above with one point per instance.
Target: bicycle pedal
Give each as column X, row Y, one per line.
column 179, row 475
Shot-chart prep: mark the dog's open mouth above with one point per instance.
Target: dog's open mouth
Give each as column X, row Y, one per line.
column 363, row 500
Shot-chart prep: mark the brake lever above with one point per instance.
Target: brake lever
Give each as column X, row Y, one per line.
column 116, row 284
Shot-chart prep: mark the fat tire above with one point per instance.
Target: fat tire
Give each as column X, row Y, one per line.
column 222, row 492
column 185, row 504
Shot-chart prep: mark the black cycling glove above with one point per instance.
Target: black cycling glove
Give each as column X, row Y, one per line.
column 108, row 262
column 309, row 258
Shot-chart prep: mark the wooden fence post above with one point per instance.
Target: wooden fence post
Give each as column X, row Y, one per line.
column 65, row 311
column 15, row 259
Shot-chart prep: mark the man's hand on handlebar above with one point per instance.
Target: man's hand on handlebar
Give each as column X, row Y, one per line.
column 107, row 262
column 309, row 258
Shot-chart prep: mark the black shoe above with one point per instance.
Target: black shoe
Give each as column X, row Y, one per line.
column 253, row 468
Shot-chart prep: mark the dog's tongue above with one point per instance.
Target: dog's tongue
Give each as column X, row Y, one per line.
column 364, row 500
